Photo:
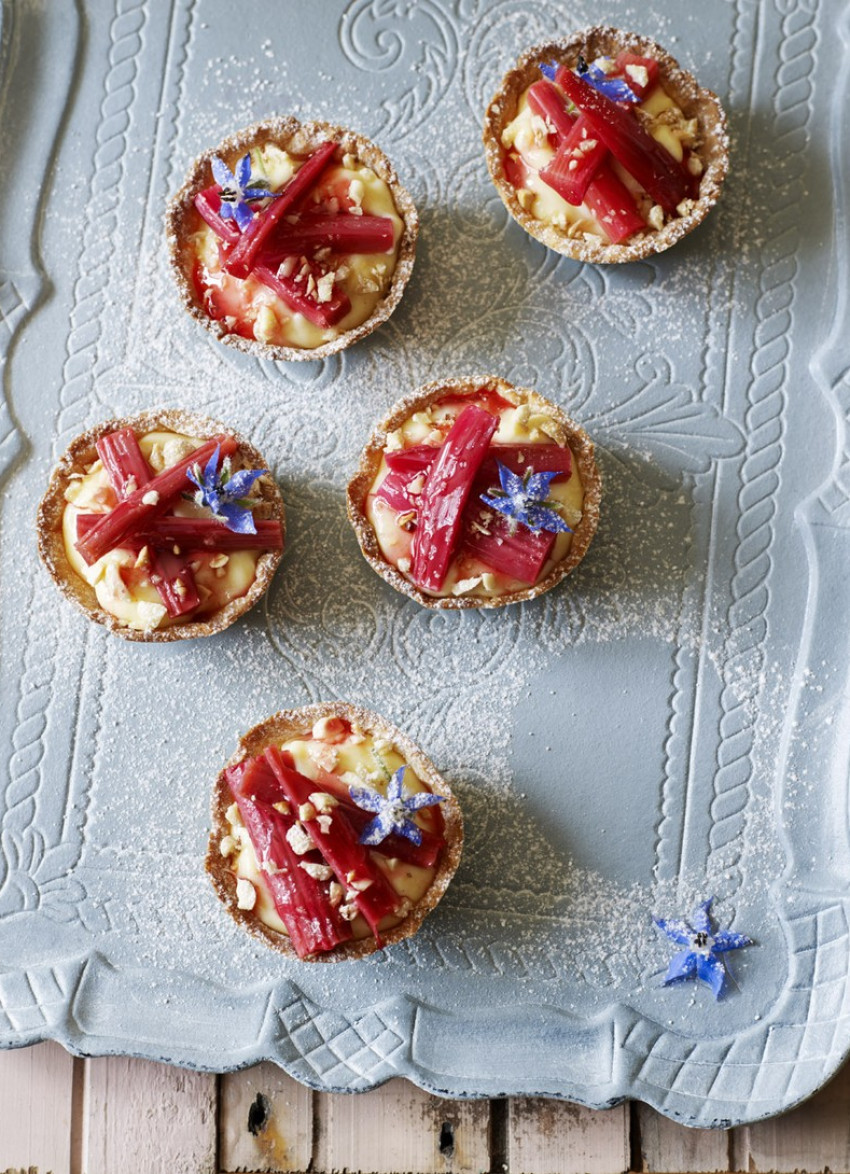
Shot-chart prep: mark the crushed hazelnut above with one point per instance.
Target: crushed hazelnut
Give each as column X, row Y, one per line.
column 323, row 802
column 299, row 841
column 306, row 812
column 319, row 872
column 246, row 894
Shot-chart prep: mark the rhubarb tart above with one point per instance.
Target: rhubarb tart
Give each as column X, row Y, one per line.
column 333, row 835
column 475, row 493
column 603, row 148
column 292, row 240
column 163, row 526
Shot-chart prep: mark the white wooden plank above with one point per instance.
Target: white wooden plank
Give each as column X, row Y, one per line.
column 36, row 1094
column 400, row 1128
column 147, row 1118
column 668, row 1148
column 265, row 1121
column 555, row 1137
column 815, row 1137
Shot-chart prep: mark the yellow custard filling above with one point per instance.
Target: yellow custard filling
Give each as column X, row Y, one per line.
column 246, row 306
column 121, row 578
column 337, row 747
column 527, row 137
column 468, row 575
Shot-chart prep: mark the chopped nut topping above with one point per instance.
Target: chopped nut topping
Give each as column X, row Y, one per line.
column 227, row 846
column 150, row 498
column 319, row 872
column 407, row 520
column 348, row 912
column 695, row 165
column 325, row 287
column 232, row 814
column 330, row 729
column 299, row 841
column 282, row 806
column 323, row 802
column 143, row 557
column 525, row 198
column 404, row 565
column 246, row 894
column 639, row 74
column 335, row 893
column 362, row 885
column 287, row 268
column 356, row 192
column 323, row 755
column 685, row 208
column 220, row 560
column 464, row 586
column 306, row 812
column 324, row 822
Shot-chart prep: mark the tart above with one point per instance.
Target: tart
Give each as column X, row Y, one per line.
column 162, row 526
column 475, row 493
column 333, row 836
column 292, row 240
column 602, row 147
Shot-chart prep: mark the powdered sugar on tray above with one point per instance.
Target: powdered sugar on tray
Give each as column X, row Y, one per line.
column 613, row 744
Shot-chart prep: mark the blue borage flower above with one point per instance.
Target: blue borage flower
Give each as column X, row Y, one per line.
column 393, row 810
column 225, row 493
column 236, row 191
column 700, row 959
column 525, row 500
column 615, row 88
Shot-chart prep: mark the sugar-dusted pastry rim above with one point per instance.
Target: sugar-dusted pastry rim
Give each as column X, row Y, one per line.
column 370, row 461
column 80, row 453
column 294, row 723
column 683, row 88
column 289, row 133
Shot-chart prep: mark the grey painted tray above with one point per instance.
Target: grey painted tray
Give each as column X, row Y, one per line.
column 672, row 723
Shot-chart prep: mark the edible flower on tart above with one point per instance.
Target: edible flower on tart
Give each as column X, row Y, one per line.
column 157, row 530
column 603, row 141
column 475, row 494
column 292, row 237
column 328, row 839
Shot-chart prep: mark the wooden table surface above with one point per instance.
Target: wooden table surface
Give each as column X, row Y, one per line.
column 112, row 1115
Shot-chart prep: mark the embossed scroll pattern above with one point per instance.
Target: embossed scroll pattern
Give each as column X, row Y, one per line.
column 328, row 615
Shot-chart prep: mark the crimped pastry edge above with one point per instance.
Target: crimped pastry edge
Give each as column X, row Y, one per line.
column 287, row 132
column 292, row 723
column 693, row 99
column 370, row 459
column 81, row 452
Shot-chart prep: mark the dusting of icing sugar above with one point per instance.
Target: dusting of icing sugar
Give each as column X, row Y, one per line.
column 546, row 896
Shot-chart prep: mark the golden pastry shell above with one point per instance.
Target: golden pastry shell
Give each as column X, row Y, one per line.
column 370, row 461
column 683, row 88
column 81, row 453
column 289, row 134
column 295, row 723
